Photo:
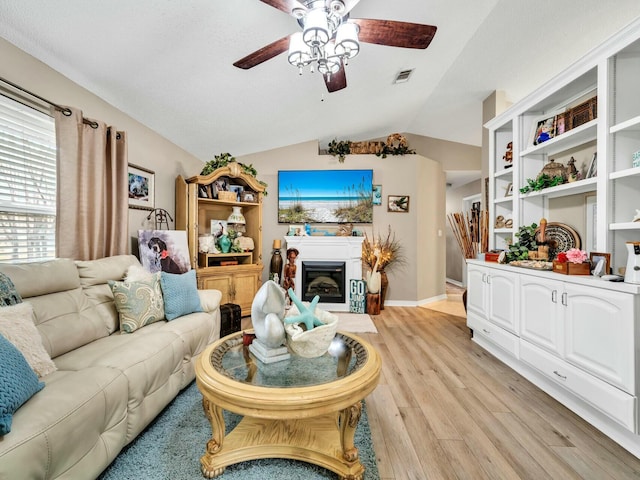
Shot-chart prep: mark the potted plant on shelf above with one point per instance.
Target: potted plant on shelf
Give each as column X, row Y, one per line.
column 572, row 262
column 339, row 149
column 225, row 159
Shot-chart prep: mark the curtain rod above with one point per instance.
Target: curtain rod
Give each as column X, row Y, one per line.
column 65, row 111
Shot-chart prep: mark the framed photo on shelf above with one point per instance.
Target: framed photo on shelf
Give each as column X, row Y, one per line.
column 509, row 190
column 248, row 196
column 217, row 227
column 592, row 171
column 398, row 203
column 544, row 129
column 142, row 185
column 561, row 124
column 596, row 257
column 237, row 189
column 295, row 231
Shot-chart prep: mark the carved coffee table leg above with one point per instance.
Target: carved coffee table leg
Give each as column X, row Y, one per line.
column 214, row 445
column 349, row 418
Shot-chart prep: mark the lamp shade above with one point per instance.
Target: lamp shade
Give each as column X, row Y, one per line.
column 316, row 28
column 236, row 217
column 299, row 53
column 330, row 64
column 347, row 44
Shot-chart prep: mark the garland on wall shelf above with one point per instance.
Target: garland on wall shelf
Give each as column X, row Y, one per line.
column 396, row 144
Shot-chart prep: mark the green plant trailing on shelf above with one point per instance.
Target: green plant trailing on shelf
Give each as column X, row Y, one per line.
column 542, row 182
column 526, row 242
column 225, row 159
column 339, row 148
column 397, row 150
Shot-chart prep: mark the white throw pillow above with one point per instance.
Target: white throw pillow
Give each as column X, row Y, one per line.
column 17, row 326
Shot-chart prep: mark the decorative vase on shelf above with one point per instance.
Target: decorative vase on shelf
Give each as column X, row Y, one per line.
column 225, row 243
column 275, row 268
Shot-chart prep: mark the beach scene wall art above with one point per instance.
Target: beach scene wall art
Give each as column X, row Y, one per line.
column 325, row 196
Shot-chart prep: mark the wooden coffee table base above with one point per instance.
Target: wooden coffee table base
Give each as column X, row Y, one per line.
column 325, row 440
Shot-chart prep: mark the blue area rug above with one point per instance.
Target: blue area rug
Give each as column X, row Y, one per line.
column 171, row 447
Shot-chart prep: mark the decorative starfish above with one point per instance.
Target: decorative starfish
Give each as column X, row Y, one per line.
column 307, row 314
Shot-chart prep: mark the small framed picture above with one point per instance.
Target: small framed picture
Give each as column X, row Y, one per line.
column 509, row 190
column 398, row 203
column 218, row 227
column 219, row 185
column 545, row 129
column 248, row 196
column 203, row 191
column 295, row 231
column 596, row 257
column 237, row 189
column 592, row 171
column 141, row 188
column 561, row 124
column 377, row 195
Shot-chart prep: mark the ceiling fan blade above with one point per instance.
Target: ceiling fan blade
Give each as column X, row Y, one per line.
column 286, row 6
column 394, row 34
column 265, row 53
column 337, row 81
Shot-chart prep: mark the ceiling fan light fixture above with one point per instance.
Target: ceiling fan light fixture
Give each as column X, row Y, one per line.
column 299, row 52
column 347, row 44
column 316, row 28
column 330, row 63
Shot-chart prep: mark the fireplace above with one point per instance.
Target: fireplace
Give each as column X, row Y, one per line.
column 331, row 251
column 325, row 279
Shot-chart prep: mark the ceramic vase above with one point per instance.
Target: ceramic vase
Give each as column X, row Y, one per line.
column 225, row 243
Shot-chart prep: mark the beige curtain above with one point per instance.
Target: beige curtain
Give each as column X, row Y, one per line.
column 92, row 206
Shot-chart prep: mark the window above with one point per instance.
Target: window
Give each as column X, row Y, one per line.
column 27, row 183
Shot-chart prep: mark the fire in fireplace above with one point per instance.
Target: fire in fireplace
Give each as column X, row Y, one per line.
column 325, row 279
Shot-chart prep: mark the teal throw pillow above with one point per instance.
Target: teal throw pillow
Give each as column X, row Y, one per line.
column 8, row 293
column 18, row 383
column 138, row 303
column 180, row 293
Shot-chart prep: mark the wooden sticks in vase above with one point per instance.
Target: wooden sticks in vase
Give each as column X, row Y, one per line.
column 472, row 233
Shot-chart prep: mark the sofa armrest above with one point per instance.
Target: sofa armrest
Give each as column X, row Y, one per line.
column 210, row 299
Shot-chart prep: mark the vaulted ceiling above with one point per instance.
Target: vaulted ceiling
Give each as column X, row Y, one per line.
column 168, row 64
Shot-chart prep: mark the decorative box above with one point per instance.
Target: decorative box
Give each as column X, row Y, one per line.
column 230, row 319
column 491, row 257
column 569, row 268
column 636, row 159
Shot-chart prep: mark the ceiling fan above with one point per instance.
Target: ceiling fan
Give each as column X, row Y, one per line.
column 329, row 37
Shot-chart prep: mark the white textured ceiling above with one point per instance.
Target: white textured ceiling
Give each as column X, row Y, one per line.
column 168, row 64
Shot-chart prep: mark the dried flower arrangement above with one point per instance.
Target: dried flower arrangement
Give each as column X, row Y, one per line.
column 390, row 251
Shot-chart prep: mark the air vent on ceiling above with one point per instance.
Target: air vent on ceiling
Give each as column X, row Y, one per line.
column 403, row 76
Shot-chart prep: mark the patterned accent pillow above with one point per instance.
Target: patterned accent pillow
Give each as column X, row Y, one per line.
column 138, row 303
column 180, row 294
column 17, row 326
column 18, row 383
column 8, row 293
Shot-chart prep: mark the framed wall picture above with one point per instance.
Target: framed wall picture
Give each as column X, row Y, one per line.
column 164, row 250
column 142, row 186
column 398, row 203
column 596, row 257
column 377, row 194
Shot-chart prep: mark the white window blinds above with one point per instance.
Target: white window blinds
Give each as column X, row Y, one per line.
column 27, row 183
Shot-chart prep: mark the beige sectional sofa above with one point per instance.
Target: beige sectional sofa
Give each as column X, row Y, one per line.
column 109, row 385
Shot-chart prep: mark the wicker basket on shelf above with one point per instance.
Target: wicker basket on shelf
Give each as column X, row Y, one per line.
column 227, row 196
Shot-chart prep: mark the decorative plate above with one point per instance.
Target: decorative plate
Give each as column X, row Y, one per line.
column 560, row 237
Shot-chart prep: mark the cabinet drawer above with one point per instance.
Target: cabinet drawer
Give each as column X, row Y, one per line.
column 613, row 402
column 496, row 335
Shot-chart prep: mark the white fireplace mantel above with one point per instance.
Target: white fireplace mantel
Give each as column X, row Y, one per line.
column 329, row 248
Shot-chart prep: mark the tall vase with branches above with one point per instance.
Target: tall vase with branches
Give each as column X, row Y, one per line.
column 380, row 254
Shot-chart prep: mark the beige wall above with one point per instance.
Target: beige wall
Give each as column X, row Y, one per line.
column 146, row 148
column 423, row 179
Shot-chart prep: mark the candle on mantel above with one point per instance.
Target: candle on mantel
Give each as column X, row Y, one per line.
column 277, row 244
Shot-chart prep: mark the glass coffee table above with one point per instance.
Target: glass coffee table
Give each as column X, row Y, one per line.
column 304, row 409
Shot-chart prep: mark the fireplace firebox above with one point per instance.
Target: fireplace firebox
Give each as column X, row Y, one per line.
column 325, row 279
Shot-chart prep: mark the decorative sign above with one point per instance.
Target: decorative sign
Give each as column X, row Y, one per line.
column 357, row 296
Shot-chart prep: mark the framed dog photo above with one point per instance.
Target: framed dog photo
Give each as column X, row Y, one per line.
column 164, row 251
column 596, row 257
column 142, row 186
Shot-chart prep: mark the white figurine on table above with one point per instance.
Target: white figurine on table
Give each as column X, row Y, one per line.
column 637, row 217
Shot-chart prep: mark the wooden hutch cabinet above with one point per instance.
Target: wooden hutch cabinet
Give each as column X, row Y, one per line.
column 196, row 208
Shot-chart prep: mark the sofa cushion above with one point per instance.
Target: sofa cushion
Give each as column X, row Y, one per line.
column 18, row 383
column 73, row 428
column 94, row 275
column 138, row 303
column 64, row 316
column 8, row 293
column 16, row 324
column 180, row 293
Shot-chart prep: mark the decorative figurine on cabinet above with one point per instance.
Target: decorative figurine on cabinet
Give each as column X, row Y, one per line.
column 290, row 269
column 508, row 156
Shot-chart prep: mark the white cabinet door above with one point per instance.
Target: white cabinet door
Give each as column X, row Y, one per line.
column 540, row 313
column 599, row 333
column 476, row 295
column 501, row 299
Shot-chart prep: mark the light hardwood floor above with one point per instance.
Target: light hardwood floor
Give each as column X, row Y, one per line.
column 446, row 409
